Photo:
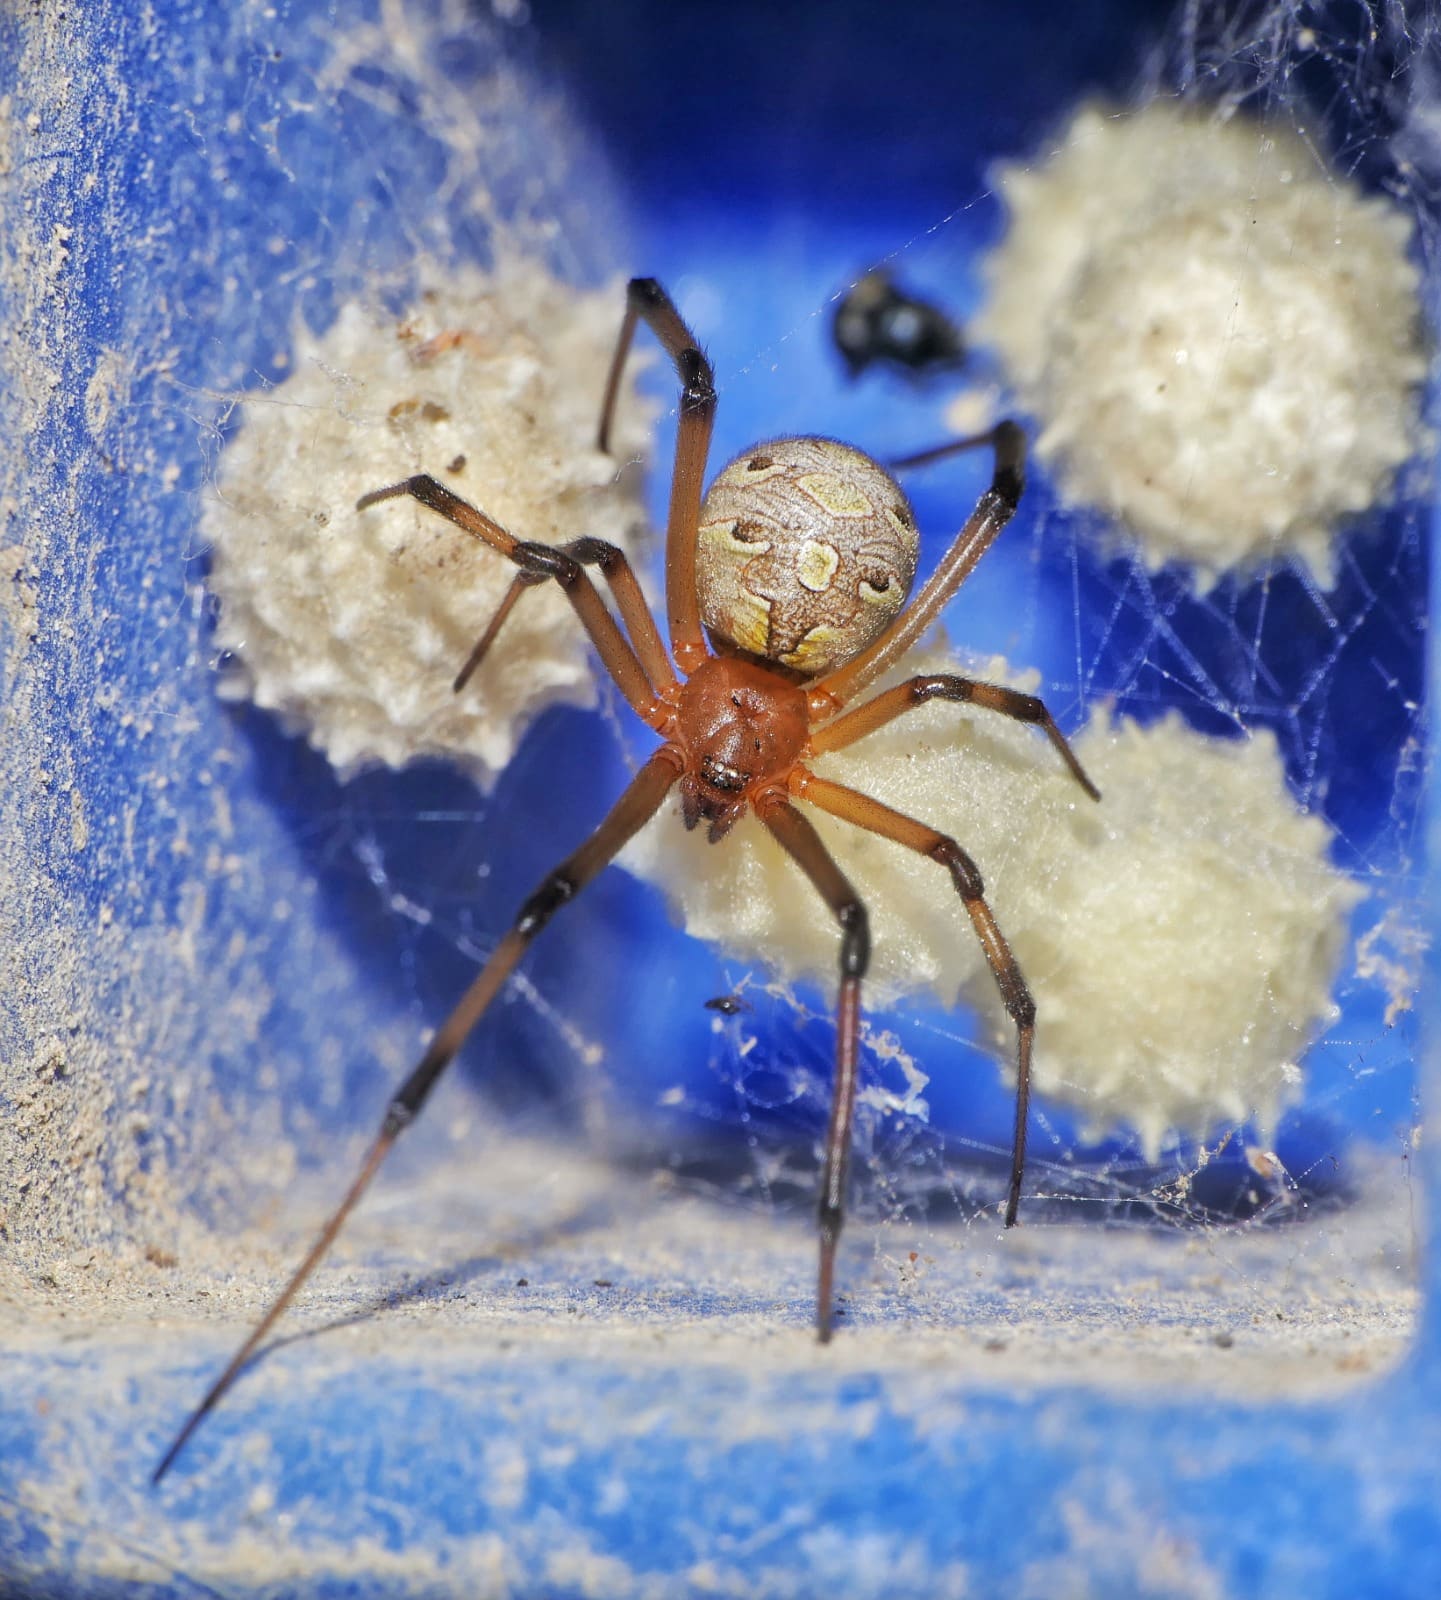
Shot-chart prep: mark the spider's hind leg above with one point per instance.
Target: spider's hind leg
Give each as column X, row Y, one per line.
column 876, row 817
column 631, row 812
column 800, row 840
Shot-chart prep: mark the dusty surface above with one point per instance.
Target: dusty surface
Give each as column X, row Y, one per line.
column 629, row 1267
column 516, row 1349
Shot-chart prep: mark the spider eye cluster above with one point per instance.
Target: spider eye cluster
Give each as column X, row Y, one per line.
column 807, row 552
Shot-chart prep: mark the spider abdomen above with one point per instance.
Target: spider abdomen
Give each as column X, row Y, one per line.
column 807, row 551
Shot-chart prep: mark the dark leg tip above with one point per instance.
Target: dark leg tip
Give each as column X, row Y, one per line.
column 823, row 1288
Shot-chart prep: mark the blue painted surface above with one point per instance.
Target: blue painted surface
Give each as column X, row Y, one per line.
column 752, row 159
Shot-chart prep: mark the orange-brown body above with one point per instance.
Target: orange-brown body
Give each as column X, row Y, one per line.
column 786, row 594
column 741, row 727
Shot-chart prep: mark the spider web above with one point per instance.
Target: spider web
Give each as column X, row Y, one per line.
column 739, row 1102
column 225, row 958
column 355, row 912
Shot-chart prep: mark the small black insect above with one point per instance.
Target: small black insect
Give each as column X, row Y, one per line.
column 876, row 321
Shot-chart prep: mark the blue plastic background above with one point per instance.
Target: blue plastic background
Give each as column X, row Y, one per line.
column 777, row 152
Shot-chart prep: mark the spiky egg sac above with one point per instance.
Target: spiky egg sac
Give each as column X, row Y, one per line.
column 1220, row 339
column 1181, row 937
column 352, row 625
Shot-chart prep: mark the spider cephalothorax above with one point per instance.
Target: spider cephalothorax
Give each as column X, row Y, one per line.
column 786, row 596
column 742, row 729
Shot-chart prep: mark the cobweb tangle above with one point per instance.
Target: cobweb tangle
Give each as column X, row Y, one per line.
column 610, row 1023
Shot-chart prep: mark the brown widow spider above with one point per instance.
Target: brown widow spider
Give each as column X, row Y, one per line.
column 786, row 595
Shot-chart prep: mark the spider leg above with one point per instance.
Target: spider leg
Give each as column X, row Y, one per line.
column 635, row 807
column 993, row 511
column 634, row 613
column 873, row 815
column 886, row 707
column 541, row 561
column 798, row 837
column 646, row 300
column 481, row 648
column 939, row 452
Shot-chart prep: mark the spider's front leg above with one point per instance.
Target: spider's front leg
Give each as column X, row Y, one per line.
column 646, row 300
column 618, row 573
column 981, row 529
column 638, row 682
column 800, row 840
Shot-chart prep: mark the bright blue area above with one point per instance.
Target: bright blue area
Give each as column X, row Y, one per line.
column 766, row 161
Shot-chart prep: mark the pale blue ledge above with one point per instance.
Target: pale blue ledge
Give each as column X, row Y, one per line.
column 1051, row 1413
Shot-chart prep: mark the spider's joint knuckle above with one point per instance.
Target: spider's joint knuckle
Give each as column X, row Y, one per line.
column 697, row 380
column 964, row 872
column 855, row 938
column 398, row 1117
column 557, row 889
column 1010, row 437
column 547, row 562
column 1019, row 1001
column 1007, row 486
column 697, row 396
column 599, row 551
column 950, row 688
